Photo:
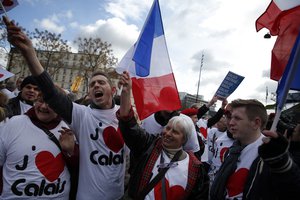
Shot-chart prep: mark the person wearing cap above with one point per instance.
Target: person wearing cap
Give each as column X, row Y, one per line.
column 156, row 153
column 24, row 101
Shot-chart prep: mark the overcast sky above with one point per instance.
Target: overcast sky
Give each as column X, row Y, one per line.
column 224, row 31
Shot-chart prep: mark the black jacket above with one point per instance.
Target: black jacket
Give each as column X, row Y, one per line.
column 13, row 106
column 276, row 177
column 141, row 145
column 263, row 183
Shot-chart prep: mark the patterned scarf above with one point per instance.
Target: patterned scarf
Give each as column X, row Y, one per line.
column 47, row 125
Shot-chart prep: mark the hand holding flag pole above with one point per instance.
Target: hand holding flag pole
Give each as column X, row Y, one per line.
column 126, row 69
column 153, row 83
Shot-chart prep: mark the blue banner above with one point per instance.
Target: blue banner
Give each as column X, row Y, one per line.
column 228, row 85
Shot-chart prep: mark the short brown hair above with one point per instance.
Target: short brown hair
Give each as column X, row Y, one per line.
column 254, row 108
column 96, row 73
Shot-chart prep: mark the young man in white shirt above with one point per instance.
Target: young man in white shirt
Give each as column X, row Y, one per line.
column 102, row 149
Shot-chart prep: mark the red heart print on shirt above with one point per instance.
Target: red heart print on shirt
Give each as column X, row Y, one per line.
column 222, row 153
column 51, row 167
column 236, row 182
column 1, row 75
column 113, row 139
column 174, row 192
column 203, row 131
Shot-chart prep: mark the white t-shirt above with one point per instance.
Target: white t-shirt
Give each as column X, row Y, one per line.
column 24, row 107
column 102, row 153
column 212, row 135
column 236, row 181
column 176, row 179
column 203, row 132
column 152, row 127
column 221, row 145
column 33, row 166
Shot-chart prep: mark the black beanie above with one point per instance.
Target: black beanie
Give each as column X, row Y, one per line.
column 28, row 80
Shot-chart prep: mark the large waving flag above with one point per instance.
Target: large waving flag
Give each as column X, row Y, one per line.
column 289, row 80
column 282, row 18
column 291, row 75
column 7, row 5
column 153, row 82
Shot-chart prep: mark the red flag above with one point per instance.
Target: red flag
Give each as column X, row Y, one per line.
column 282, row 18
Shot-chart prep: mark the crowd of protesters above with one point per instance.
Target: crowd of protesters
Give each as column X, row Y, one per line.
column 52, row 147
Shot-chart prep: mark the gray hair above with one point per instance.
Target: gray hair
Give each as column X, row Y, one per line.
column 186, row 124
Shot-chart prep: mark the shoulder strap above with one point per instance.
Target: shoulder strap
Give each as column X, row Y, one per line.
column 157, row 178
column 52, row 137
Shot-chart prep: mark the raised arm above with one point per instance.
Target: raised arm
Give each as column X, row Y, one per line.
column 203, row 109
column 125, row 99
column 285, row 173
column 58, row 102
column 214, row 119
column 135, row 137
column 20, row 40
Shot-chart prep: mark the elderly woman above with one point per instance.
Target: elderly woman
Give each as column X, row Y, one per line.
column 162, row 169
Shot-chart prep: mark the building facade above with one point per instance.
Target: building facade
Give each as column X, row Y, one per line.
column 63, row 67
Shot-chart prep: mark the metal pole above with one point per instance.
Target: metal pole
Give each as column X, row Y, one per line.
column 202, row 58
column 267, row 93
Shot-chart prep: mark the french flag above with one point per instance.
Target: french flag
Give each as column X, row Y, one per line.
column 290, row 78
column 282, row 18
column 153, row 83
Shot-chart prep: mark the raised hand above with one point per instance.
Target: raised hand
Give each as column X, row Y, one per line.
column 17, row 37
column 274, row 152
column 224, row 103
column 67, row 141
column 20, row 40
column 125, row 82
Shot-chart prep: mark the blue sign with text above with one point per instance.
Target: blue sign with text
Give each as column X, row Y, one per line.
column 228, row 85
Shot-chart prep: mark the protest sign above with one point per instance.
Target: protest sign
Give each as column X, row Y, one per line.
column 228, row 85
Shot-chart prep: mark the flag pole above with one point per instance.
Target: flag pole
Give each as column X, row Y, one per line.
column 201, row 65
column 290, row 77
column 267, row 93
column 119, row 90
column 5, row 13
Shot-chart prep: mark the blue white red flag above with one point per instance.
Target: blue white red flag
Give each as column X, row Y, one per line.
column 153, row 83
column 290, row 78
column 7, row 5
column 282, row 18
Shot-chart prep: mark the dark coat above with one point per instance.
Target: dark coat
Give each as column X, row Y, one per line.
column 141, row 146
